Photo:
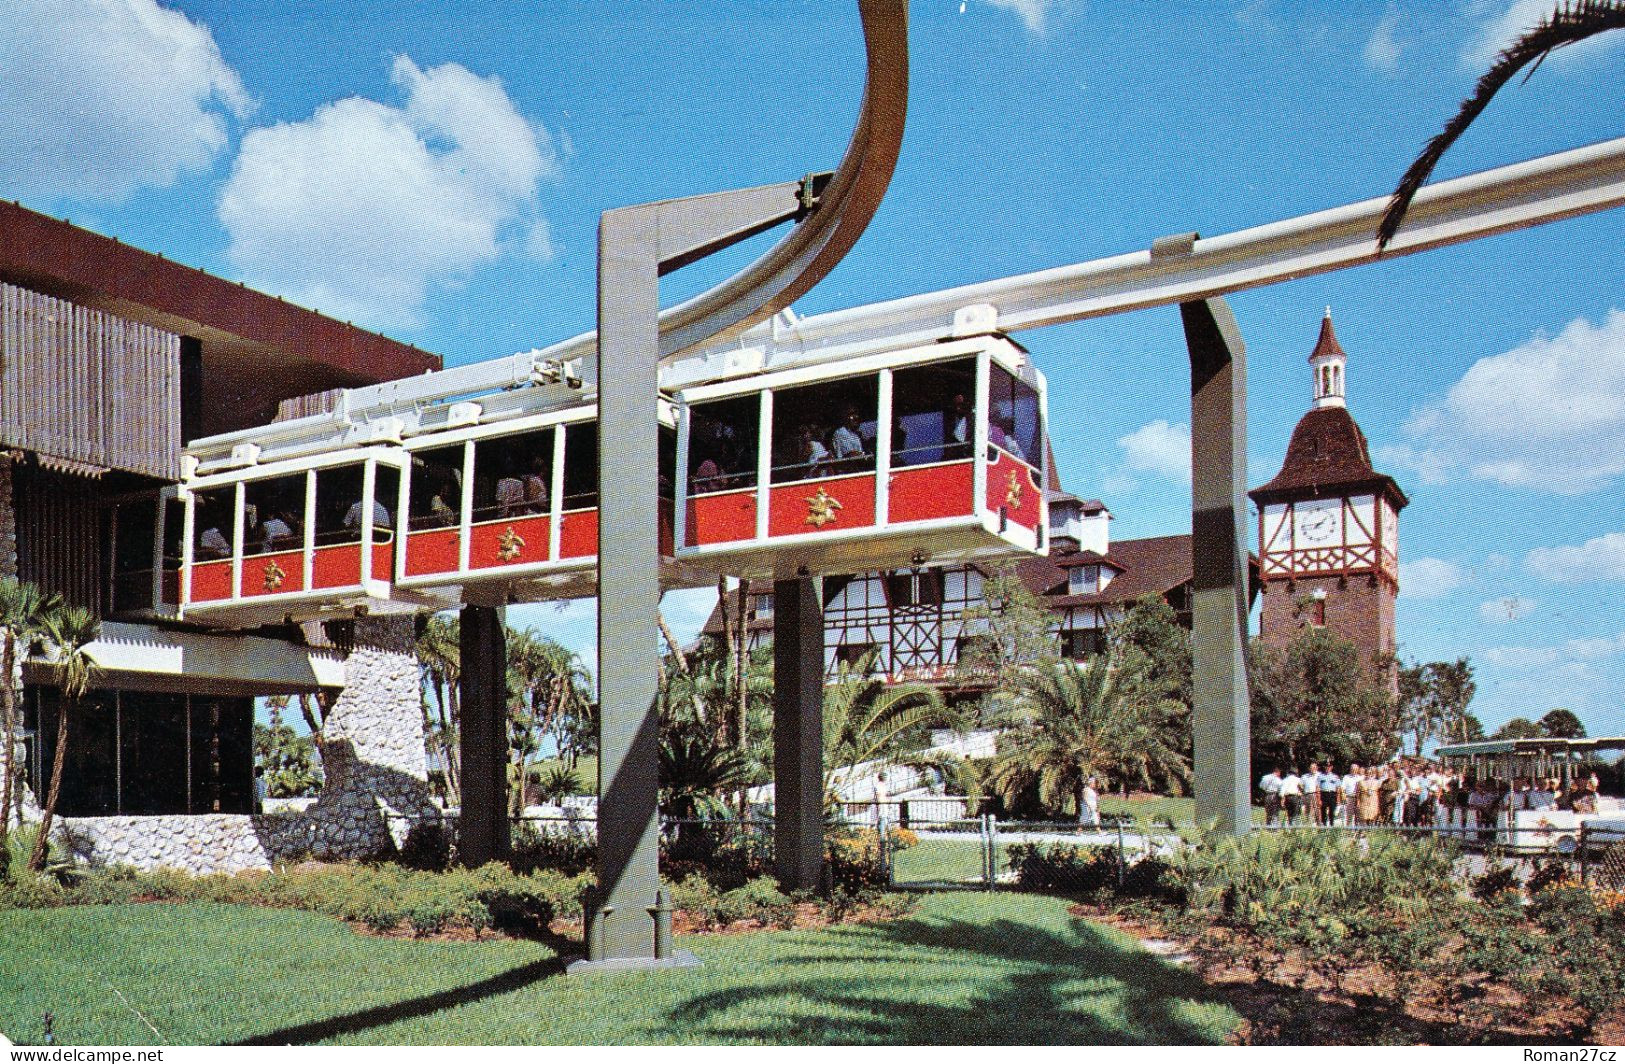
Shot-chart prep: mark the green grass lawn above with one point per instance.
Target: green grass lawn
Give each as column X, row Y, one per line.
column 966, row 968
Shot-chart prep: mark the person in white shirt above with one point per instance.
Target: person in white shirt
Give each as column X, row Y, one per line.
column 1089, row 811
column 1349, row 788
column 847, row 439
column 1270, row 786
column 277, row 533
column 380, row 516
column 214, row 544
column 1292, row 797
column 1329, row 787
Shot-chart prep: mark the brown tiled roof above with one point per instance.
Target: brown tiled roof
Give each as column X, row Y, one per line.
column 1327, row 456
column 1151, row 566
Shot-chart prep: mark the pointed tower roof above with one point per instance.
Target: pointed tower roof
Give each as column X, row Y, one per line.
column 1327, row 346
column 1328, row 454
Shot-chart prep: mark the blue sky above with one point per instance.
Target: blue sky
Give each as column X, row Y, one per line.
column 439, row 177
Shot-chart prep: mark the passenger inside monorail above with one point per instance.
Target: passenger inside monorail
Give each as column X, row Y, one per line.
column 722, row 444
column 932, row 413
column 437, row 488
column 806, row 446
column 273, row 515
column 513, row 476
column 341, row 511
column 1014, row 424
column 213, row 524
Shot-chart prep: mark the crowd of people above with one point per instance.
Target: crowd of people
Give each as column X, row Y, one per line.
column 1403, row 794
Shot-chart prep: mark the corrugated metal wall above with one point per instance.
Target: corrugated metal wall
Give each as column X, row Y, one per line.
column 305, row 405
column 88, row 386
column 61, row 534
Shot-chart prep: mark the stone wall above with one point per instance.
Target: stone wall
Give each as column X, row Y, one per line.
column 375, row 782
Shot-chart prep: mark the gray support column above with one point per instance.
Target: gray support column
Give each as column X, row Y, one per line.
column 628, row 583
column 798, row 733
column 483, row 736
column 1221, row 714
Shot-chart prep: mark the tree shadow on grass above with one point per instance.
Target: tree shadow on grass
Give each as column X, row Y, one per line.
column 1026, row 986
column 379, row 1015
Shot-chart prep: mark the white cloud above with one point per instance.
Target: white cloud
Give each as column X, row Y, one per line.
column 1160, row 448
column 1499, row 24
column 1383, row 49
column 1034, row 13
column 1570, row 653
column 1430, row 578
column 1502, row 610
column 101, row 97
column 1602, row 558
column 360, row 208
column 1547, row 414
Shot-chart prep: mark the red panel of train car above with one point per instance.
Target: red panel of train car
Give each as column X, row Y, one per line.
column 827, row 505
column 211, row 581
column 521, row 541
column 338, row 566
column 927, row 493
column 432, row 552
column 273, row 574
column 1012, row 486
column 383, row 561
column 722, row 517
column 578, row 538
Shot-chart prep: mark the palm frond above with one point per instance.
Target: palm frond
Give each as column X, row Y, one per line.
column 1568, row 24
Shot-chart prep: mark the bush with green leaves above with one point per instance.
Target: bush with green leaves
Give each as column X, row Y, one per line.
column 570, row 852
column 427, row 848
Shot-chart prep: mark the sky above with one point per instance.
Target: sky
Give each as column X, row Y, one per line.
column 436, row 173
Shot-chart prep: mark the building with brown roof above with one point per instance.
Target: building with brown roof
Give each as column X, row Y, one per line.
column 1328, row 524
column 110, row 358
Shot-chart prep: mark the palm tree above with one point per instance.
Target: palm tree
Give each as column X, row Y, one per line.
column 439, row 651
column 68, row 630
column 695, row 772
column 1568, row 24
column 868, row 721
column 21, row 605
column 1070, row 723
column 551, row 685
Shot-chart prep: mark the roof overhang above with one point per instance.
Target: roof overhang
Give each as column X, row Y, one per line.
column 147, row 658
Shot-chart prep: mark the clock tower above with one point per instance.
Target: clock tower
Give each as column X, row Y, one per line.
column 1328, row 524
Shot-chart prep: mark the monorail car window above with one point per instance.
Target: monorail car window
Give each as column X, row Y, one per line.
column 340, row 509
column 513, row 476
column 212, row 523
column 722, row 443
column 274, row 515
column 386, row 497
column 825, row 429
column 666, row 457
column 581, row 466
column 931, row 412
column 437, row 488
column 1014, row 423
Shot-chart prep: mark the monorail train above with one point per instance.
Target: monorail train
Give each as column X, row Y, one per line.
column 933, row 453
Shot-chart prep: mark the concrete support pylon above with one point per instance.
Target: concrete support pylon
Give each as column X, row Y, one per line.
column 798, row 734
column 482, row 743
column 1221, row 714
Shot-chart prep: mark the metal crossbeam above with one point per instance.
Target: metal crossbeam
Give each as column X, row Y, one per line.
column 1541, row 190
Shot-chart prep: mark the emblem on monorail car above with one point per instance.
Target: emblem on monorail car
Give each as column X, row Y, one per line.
column 509, row 544
column 274, row 576
column 822, row 508
column 1012, row 498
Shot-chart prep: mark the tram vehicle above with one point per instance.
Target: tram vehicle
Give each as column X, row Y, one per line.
column 919, row 455
column 786, row 471
column 1517, row 767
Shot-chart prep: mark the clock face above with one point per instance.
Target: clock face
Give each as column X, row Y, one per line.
column 1318, row 525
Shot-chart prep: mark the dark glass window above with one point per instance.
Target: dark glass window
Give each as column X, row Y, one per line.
column 826, row 429
column 1014, row 423
column 666, row 459
column 136, row 525
column 128, row 752
column 437, row 488
column 722, row 444
column 212, row 523
column 933, row 412
column 274, row 515
column 1081, row 643
column 907, row 588
column 581, row 466
column 513, row 476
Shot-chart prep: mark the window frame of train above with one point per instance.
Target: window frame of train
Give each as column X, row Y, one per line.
column 548, row 554
column 892, row 514
column 304, row 577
